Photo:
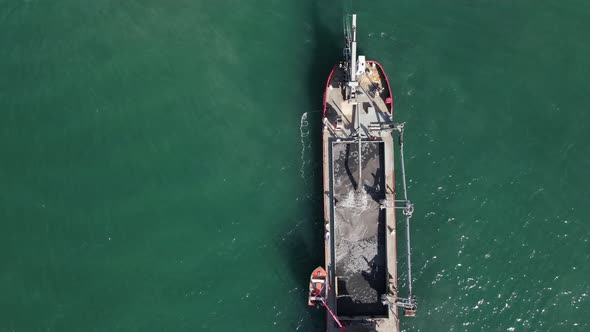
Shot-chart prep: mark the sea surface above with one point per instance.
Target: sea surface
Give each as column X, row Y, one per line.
column 160, row 161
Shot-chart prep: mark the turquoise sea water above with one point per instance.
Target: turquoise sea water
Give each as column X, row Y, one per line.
column 156, row 174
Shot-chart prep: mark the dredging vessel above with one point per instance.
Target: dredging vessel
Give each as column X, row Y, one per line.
column 358, row 286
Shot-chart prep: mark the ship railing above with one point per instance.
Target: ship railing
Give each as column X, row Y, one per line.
column 409, row 303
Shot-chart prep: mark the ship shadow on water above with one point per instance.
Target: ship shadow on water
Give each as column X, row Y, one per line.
column 304, row 249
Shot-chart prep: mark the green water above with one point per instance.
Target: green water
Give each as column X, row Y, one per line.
column 155, row 174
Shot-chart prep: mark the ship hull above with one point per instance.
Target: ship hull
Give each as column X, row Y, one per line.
column 360, row 252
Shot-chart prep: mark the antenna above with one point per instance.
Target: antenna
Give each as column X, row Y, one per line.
column 353, row 56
